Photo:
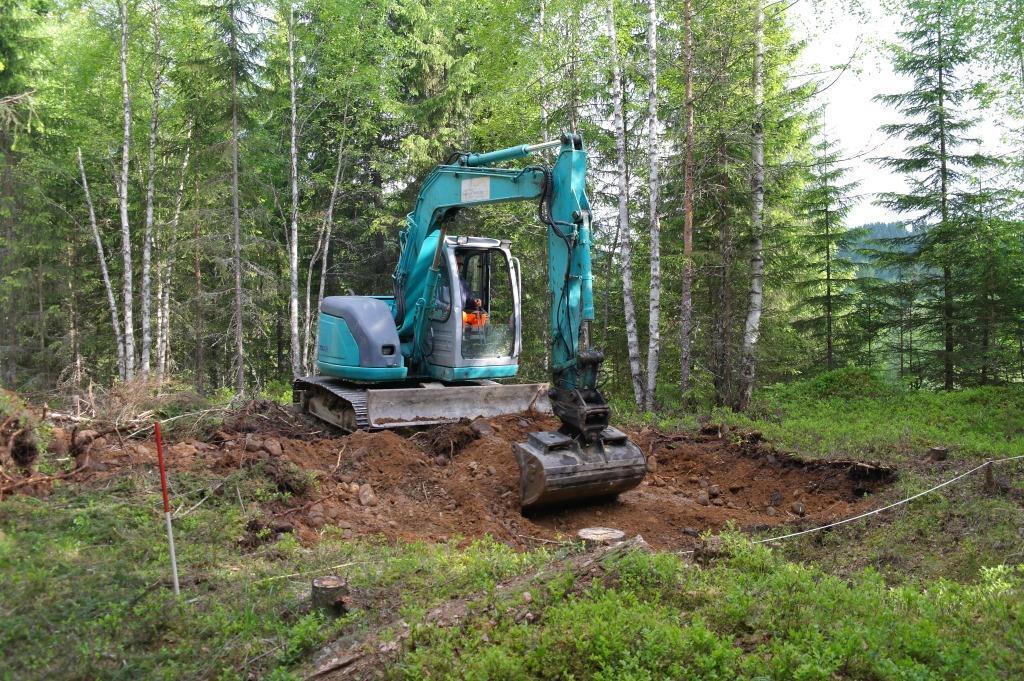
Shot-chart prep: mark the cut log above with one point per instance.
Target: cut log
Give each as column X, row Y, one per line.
column 329, row 594
column 601, row 536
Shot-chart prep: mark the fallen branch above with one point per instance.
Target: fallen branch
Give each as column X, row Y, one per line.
column 37, row 479
column 200, row 502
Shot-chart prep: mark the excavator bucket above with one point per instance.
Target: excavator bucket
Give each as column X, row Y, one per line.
column 556, row 468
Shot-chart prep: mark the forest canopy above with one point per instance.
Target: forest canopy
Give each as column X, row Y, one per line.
column 182, row 181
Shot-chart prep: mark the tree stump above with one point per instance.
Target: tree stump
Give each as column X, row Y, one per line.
column 329, row 594
column 601, row 536
column 938, row 453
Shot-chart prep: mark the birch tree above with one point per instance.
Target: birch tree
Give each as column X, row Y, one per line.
column 167, row 268
column 115, row 320
column 293, row 234
column 653, row 143
column 122, row 199
column 323, row 252
column 147, row 241
column 752, row 326
column 628, row 304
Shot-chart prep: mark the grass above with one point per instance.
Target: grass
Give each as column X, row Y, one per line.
column 855, row 412
column 84, row 578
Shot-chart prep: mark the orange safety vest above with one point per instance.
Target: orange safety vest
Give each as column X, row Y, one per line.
column 475, row 320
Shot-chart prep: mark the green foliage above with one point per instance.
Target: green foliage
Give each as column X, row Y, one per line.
column 857, row 412
column 753, row 615
column 100, row 558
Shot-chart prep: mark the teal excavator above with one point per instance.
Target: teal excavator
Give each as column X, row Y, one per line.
column 435, row 350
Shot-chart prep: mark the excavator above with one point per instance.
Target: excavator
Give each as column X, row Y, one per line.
column 435, row 350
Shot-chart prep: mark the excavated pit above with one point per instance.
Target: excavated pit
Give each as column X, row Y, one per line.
column 462, row 482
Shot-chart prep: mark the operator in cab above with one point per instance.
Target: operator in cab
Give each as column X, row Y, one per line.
column 473, row 314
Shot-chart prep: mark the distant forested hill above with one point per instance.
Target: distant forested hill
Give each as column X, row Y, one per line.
column 876, row 236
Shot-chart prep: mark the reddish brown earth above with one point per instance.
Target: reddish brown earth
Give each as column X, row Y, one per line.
column 461, row 481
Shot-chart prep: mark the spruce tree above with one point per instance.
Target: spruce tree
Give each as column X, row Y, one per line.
column 826, row 204
column 935, row 51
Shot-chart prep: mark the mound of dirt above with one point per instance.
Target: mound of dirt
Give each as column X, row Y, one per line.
column 401, row 487
column 462, row 481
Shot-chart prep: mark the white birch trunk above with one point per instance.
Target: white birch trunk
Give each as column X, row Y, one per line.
column 236, row 223
column 115, row 320
column 147, row 241
column 686, row 304
column 167, row 268
column 541, row 34
column 629, row 308
column 752, row 327
column 307, row 320
column 293, row 245
column 328, row 225
column 122, row 198
column 654, row 310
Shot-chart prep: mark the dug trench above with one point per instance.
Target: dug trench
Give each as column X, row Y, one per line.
column 461, row 481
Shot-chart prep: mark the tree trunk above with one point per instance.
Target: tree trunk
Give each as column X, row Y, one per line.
column 293, row 173
column 686, row 304
column 197, row 273
column 147, row 241
column 236, row 224
column 542, row 77
column 122, row 198
column 752, row 327
column 75, row 325
column 654, row 310
column 722, row 343
column 115, row 319
column 325, row 250
column 947, row 272
column 167, row 268
column 632, row 343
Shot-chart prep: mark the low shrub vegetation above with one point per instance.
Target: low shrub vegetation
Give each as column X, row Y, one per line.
column 751, row 615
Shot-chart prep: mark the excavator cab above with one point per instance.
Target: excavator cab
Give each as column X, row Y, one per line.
column 475, row 326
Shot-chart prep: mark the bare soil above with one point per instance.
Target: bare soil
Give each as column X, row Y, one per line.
column 461, row 482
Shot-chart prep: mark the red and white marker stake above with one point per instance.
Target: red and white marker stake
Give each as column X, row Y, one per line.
column 167, row 505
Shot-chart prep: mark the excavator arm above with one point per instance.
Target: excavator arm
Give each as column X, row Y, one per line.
column 564, row 209
column 586, row 457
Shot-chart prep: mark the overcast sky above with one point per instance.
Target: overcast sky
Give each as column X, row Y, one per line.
column 835, row 36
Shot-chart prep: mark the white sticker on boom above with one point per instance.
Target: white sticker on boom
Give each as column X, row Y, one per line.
column 476, row 189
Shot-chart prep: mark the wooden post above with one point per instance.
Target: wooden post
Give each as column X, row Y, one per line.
column 990, row 479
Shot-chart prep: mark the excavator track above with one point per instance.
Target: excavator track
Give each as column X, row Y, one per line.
column 339, row 403
column 352, row 407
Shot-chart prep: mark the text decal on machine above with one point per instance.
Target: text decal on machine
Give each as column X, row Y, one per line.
column 476, row 189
